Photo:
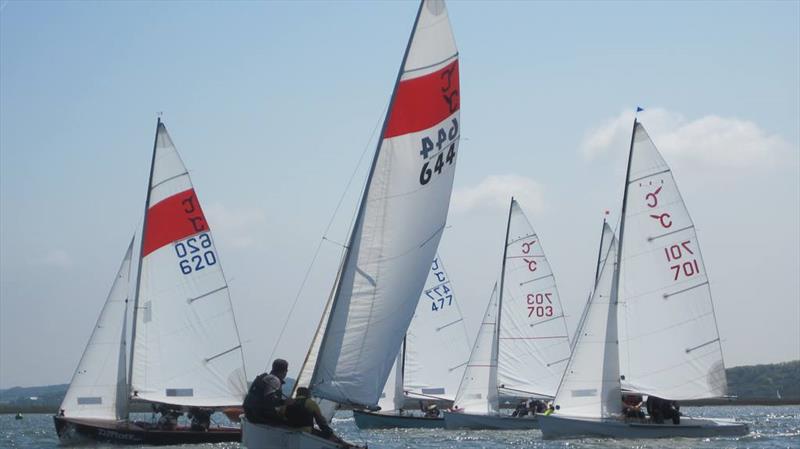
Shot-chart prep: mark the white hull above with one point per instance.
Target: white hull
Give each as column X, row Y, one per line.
column 370, row 420
column 489, row 422
column 264, row 436
column 555, row 427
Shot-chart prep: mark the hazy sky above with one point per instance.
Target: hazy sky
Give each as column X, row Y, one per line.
column 271, row 104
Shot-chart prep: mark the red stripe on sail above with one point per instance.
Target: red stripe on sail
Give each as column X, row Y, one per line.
column 174, row 218
column 423, row 102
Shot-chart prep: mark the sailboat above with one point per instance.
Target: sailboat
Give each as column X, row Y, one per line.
column 431, row 360
column 650, row 324
column 395, row 235
column 522, row 346
column 185, row 349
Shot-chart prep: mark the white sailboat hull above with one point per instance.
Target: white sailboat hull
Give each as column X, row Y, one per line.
column 489, row 422
column 370, row 420
column 265, row 436
column 557, row 427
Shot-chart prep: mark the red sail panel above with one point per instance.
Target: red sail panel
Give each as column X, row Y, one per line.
column 425, row 101
column 171, row 219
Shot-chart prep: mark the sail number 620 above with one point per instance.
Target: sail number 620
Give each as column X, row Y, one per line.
column 195, row 254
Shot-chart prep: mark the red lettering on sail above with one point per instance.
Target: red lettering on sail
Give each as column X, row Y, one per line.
column 171, row 219
column 421, row 103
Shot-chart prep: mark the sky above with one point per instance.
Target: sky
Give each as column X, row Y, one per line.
column 275, row 106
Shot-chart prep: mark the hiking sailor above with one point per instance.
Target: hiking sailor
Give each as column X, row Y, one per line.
column 265, row 395
column 303, row 412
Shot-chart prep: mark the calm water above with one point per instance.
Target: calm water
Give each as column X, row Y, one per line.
column 771, row 428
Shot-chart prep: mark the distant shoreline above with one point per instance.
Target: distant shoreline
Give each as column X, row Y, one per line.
column 8, row 409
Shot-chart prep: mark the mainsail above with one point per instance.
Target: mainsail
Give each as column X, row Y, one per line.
column 436, row 344
column 533, row 340
column 478, row 390
column 99, row 388
column 186, row 348
column 669, row 342
column 436, row 349
column 400, row 220
column 590, row 386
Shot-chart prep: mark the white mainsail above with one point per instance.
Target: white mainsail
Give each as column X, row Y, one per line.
column 99, row 388
column 669, row 342
column 477, row 392
column 186, row 348
column 533, row 339
column 590, row 386
column 400, row 221
column 436, row 344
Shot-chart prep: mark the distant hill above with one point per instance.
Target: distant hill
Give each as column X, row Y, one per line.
column 765, row 381
column 46, row 396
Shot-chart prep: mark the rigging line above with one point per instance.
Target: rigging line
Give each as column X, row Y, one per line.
column 325, row 233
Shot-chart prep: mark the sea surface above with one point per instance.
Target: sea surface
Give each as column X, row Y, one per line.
column 770, row 428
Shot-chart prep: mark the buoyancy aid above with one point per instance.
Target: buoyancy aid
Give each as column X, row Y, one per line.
column 298, row 414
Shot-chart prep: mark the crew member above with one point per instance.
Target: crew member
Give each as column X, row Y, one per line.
column 265, row 395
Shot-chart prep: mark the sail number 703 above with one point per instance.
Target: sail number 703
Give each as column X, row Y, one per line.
column 444, row 151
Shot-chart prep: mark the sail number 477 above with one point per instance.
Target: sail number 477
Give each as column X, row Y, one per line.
column 443, row 149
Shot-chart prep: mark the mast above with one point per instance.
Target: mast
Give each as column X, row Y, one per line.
column 600, row 251
column 365, row 194
column 502, row 279
column 620, row 240
column 139, row 263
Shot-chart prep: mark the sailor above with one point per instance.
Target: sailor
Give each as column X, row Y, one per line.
column 200, row 419
column 632, row 406
column 432, row 411
column 303, row 412
column 521, row 410
column 265, row 395
column 169, row 417
column 550, row 409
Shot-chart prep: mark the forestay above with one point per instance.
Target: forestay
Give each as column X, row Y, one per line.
column 400, row 221
column 99, row 388
column 534, row 343
column 477, row 392
column 590, row 386
column 669, row 342
column 436, row 344
column 186, row 347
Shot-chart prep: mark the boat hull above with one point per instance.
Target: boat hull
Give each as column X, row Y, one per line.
column 371, row 420
column 489, row 422
column 72, row 430
column 557, row 427
column 265, row 436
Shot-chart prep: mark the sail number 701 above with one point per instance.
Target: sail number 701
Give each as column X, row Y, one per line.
column 444, row 151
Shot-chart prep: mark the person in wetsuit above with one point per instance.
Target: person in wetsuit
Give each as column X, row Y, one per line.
column 304, row 412
column 265, row 395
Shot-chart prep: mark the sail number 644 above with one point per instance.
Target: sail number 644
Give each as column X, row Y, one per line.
column 444, row 150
